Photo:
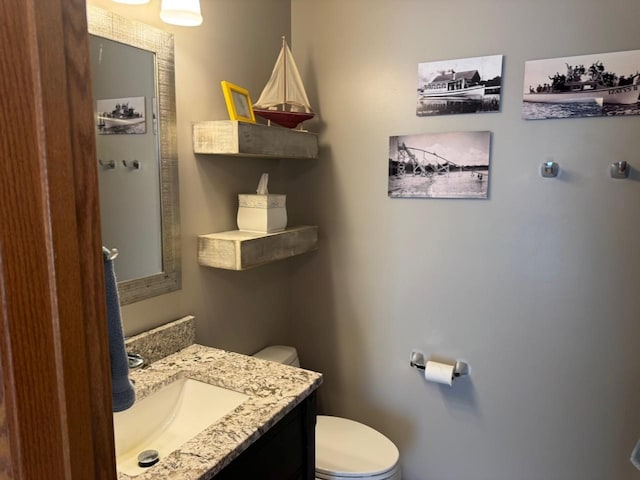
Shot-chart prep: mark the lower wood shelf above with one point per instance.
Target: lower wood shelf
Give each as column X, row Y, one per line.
column 240, row 250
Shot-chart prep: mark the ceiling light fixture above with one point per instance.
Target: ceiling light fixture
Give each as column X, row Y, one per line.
column 185, row 13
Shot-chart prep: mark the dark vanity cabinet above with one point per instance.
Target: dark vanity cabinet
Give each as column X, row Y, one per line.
column 285, row 452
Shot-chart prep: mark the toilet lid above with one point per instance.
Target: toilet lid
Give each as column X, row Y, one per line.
column 350, row 449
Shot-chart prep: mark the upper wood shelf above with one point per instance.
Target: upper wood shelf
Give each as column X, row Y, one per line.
column 231, row 137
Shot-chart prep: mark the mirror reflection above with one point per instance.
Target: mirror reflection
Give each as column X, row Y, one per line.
column 124, row 95
column 134, row 102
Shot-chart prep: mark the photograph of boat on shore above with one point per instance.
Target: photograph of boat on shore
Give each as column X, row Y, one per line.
column 119, row 116
column 595, row 85
column 439, row 165
column 465, row 85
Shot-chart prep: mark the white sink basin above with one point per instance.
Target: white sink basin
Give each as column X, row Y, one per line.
column 169, row 418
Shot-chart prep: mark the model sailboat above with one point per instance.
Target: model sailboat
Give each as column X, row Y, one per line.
column 284, row 100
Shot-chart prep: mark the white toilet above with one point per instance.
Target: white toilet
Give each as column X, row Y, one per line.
column 345, row 450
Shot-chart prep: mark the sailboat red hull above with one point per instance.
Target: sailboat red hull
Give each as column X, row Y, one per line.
column 284, row 119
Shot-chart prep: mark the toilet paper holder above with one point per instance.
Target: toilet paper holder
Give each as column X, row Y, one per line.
column 417, row 361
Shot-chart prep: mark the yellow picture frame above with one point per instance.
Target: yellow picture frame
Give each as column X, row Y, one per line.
column 238, row 102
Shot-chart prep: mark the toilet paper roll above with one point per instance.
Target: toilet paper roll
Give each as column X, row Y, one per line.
column 439, row 373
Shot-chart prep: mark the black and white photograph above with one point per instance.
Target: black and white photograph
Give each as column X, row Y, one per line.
column 118, row 116
column 440, row 165
column 465, row 85
column 596, row 85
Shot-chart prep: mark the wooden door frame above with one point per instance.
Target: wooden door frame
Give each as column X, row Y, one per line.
column 55, row 392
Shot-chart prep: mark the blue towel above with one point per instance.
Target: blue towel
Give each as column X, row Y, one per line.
column 122, row 392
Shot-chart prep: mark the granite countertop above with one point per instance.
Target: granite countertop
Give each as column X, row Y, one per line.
column 274, row 390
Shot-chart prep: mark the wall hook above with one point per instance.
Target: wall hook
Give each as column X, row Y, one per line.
column 620, row 169
column 107, row 165
column 134, row 165
column 549, row 169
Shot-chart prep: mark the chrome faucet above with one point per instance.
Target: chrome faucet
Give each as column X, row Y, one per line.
column 135, row 361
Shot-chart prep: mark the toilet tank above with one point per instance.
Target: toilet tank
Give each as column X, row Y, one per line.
column 281, row 354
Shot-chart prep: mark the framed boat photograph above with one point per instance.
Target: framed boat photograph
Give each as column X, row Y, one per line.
column 465, row 85
column 439, row 165
column 238, row 102
column 596, row 85
column 121, row 116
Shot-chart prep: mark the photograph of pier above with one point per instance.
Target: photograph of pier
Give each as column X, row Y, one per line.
column 440, row 165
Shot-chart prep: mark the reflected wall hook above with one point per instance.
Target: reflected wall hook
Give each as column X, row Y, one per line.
column 620, row 169
column 549, row 169
column 107, row 165
column 133, row 165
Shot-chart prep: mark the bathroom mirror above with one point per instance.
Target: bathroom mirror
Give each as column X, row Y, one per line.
column 135, row 115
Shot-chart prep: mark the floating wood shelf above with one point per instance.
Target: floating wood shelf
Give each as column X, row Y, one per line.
column 239, row 250
column 231, row 137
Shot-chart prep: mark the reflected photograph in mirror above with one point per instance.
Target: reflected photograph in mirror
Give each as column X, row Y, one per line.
column 121, row 116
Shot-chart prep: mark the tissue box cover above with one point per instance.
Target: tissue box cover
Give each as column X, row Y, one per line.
column 262, row 213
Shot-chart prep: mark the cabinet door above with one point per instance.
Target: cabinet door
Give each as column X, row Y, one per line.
column 284, row 452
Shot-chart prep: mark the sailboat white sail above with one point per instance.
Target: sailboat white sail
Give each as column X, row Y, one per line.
column 284, row 100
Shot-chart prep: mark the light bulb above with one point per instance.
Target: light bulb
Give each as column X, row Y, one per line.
column 132, row 2
column 185, row 13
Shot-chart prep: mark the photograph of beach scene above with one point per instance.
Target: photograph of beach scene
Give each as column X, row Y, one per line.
column 596, row 85
column 118, row 116
column 440, row 165
column 465, row 85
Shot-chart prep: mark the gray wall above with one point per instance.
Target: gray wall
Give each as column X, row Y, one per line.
column 536, row 287
column 239, row 42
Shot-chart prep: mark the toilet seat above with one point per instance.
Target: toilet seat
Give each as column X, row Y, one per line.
column 348, row 450
column 393, row 474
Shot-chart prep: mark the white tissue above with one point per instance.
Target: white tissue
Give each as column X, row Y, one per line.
column 262, row 184
column 439, row 373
